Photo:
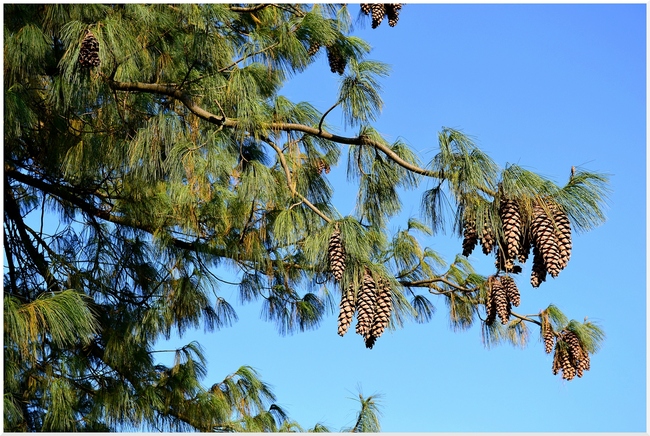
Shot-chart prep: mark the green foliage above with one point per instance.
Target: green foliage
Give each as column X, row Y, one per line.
column 179, row 172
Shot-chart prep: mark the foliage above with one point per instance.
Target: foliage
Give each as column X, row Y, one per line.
column 177, row 161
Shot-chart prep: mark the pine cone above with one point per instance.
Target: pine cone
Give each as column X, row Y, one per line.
column 512, row 292
column 545, row 239
column 538, row 274
column 313, row 48
column 346, row 311
column 321, row 166
column 579, row 357
column 383, row 308
column 366, row 8
column 470, row 237
column 563, row 236
column 89, row 51
column 511, row 221
column 392, row 12
column 378, row 12
column 336, row 255
column 336, row 61
column 500, row 301
column 487, row 240
column 366, row 305
column 549, row 339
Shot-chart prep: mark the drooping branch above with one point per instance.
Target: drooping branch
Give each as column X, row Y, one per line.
column 221, row 121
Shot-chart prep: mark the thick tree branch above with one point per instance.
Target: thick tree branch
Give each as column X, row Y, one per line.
column 255, row 8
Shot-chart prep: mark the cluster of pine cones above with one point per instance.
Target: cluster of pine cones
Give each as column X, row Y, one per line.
column 89, row 51
column 335, row 58
column 570, row 356
column 372, row 302
column 380, row 10
column 502, row 294
column 547, row 232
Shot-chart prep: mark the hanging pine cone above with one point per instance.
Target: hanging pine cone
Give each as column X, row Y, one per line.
column 366, row 8
column 570, row 356
column 511, row 221
column 562, row 361
column 313, row 48
column 512, row 292
column 549, row 340
column 563, row 236
column 487, row 240
column 89, row 51
column 378, row 11
column 366, row 305
column 578, row 356
column 392, row 12
column 346, row 311
column 470, row 237
column 383, row 308
column 545, row 239
column 538, row 274
column 321, row 166
column 500, row 301
column 336, row 61
column 336, row 255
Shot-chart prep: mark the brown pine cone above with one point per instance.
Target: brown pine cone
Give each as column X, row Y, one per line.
column 366, row 305
column 346, row 311
column 336, row 255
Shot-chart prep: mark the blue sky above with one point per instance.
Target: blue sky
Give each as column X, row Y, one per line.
column 543, row 86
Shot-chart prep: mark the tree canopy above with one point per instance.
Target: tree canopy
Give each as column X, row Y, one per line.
column 159, row 138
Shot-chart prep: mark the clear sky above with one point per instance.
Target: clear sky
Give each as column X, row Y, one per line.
column 543, row 86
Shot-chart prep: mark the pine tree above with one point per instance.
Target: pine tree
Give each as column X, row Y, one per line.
column 158, row 137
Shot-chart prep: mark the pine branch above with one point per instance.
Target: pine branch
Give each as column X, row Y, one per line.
column 291, row 185
column 243, row 9
column 174, row 92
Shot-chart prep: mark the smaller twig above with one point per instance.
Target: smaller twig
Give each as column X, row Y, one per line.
column 320, row 124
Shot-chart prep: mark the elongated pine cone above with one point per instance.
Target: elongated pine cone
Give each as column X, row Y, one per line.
column 487, row 240
column 392, row 13
column 346, row 311
column 563, row 236
column 570, row 357
column 366, row 305
column 470, row 237
column 511, row 222
column 501, row 302
column 546, row 241
column 549, row 340
column 313, row 48
column 336, row 60
column 378, row 11
column 336, row 255
column 89, row 51
column 496, row 301
column 383, row 309
column 512, row 292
